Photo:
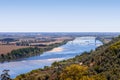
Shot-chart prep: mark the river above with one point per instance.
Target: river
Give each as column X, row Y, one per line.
column 69, row 50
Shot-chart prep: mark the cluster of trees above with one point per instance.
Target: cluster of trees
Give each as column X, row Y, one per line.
column 8, row 40
column 72, row 72
column 101, row 64
column 20, row 53
column 77, row 72
column 23, row 43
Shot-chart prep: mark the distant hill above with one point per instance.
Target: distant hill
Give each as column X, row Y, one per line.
column 101, row 64
column 8, row 40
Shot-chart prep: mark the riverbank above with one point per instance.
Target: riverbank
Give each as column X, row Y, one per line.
column 18, row 54
column 94, row 65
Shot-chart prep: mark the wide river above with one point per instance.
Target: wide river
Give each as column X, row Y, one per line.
column 69, row 50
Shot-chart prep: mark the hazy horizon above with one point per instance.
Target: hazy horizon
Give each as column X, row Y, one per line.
column 59, row 16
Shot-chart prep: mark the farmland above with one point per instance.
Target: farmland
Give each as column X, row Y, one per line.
column 7, row 48
column 21, row 46
column 4, row 49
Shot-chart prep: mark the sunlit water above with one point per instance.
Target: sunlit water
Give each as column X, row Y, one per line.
column 69, row 50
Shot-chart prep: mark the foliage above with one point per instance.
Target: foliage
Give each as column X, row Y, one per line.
column 20, row 53
column 74, row 72
column 77, row 72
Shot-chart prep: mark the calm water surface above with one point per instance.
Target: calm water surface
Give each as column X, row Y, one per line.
column 69, row 50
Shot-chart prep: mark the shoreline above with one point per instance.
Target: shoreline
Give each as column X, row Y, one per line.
column 38, row 52
column 59, row 49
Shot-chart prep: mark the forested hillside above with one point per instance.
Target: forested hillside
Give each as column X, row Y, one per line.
column 101, row 64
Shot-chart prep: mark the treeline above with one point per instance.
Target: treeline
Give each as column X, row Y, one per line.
column 8, row 40
column 20, row 53
column 27, row 52
column 101, row 64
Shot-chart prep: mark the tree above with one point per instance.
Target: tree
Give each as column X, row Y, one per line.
column 77, row 72
column 5, row 75
column 74, row 72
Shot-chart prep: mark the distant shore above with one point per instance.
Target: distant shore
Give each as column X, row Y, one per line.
column 30, row 51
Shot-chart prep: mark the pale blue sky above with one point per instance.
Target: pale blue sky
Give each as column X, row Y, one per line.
column 59, row 15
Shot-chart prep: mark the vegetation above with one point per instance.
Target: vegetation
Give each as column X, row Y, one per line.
column 8, row 40
column 77, row 72
column 101, row 64
column 20, row 53
column 5, row 75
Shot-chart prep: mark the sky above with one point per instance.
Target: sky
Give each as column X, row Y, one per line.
column 59, row 15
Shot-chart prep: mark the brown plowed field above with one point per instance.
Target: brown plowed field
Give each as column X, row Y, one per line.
column 4, row 49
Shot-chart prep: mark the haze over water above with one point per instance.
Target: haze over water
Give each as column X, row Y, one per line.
column 69, row 50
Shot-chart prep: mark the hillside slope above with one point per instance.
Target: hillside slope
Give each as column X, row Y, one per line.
column 101, row 64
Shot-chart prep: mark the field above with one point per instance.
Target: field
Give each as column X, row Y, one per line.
column 4, row 49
